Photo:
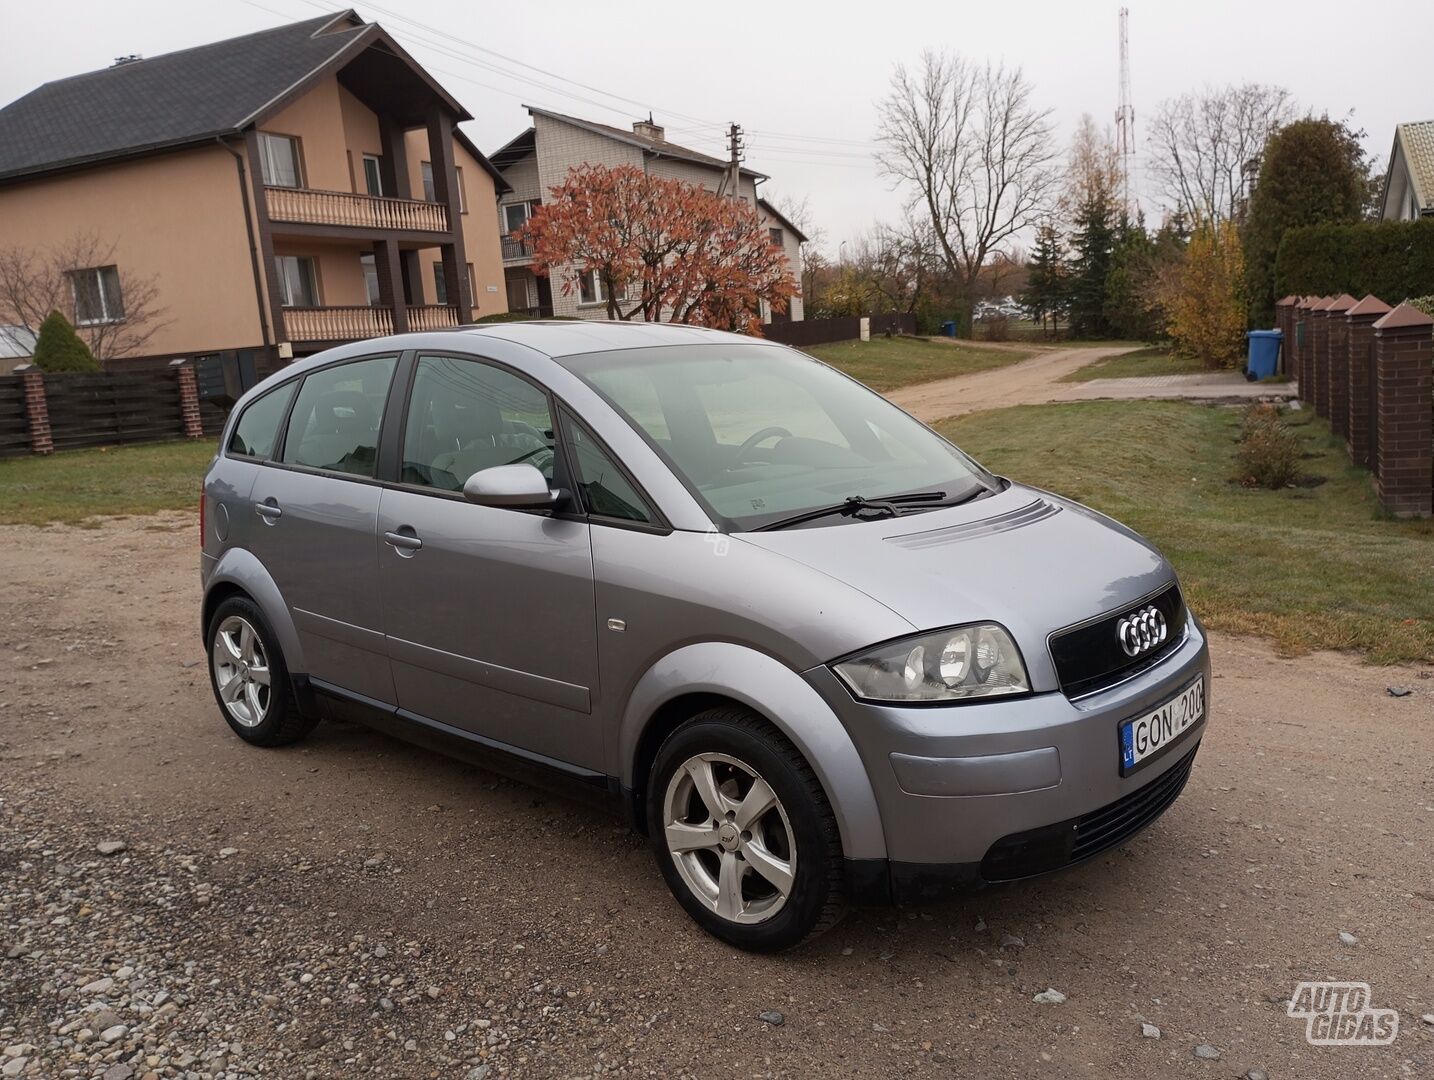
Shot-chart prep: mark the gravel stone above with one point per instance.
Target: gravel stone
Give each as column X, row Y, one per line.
column 1207, row 1052
column 1347, row 938
column 1049, row 996
column 771, row 1016
column 111, row 847
column 1149, row 1031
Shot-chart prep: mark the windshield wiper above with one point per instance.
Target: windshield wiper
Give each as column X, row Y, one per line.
column 858, row 506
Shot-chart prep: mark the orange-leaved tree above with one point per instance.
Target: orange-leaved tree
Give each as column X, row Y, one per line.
column 662, row 250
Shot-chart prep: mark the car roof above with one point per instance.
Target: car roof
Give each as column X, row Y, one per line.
column 567, row 337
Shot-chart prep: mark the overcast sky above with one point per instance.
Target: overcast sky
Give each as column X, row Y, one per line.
column 801, row 78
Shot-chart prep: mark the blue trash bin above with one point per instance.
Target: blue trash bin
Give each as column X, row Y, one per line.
column 1264, row 357
column 948, row 328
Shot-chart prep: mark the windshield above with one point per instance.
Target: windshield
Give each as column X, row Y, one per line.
column 759, row 433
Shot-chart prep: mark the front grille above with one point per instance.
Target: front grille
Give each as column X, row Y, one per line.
column 1089, row 658
column 1039, row 851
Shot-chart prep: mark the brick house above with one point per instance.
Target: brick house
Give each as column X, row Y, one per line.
column 540, row 158
column 286, row 191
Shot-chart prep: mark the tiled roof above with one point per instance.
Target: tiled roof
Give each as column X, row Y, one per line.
column 1417, row 142
column 656, row 146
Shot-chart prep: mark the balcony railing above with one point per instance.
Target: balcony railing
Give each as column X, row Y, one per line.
column 513, row 248
column 432, row 317
column 356, row 323
column 308, row 206
column 542, row 311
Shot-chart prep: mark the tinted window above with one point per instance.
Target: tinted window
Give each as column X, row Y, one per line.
column 605, row 488
column 258, row 428
column 336, row 417
column 464, row 416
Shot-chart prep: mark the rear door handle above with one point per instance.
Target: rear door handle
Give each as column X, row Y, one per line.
column 403, row 540
column 269, row 511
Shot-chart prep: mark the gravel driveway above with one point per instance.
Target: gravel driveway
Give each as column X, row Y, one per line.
column 173, row 903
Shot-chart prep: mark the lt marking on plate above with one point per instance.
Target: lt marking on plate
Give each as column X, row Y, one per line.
column 1147, row 735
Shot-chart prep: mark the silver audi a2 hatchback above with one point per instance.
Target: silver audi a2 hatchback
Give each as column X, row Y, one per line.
column 817, row 653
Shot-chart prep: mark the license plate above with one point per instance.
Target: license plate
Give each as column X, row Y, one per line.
column 1145, row 736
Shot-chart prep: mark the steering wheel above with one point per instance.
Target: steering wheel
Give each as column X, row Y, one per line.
column 755, row 438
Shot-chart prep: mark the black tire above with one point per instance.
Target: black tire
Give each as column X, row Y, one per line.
column 283, row 722
column 816, row 900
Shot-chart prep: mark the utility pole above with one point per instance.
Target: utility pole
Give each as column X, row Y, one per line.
column 734, row 167
column 1125, row 113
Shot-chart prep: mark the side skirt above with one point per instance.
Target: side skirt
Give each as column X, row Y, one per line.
column 526, row 766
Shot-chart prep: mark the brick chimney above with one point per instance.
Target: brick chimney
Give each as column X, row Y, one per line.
column 648, row 130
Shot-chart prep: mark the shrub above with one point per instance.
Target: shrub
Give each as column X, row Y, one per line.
column 1390, row 259
column 1423, row 303
column 59, row 348
column 996, row 328
column 1203, row 298
column 1269, row 452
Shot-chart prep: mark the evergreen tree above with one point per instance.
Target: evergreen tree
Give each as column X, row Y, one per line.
column 59, row 348
column 1312, row 171
column 1129, row 283
column 1045, row 293
column 1092, row 247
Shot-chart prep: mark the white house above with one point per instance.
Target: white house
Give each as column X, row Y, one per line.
column 1409, row 183
column 539, row 159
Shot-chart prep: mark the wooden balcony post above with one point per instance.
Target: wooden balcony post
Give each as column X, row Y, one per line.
column 445, row 191
column 393, row 166
column 390, row 282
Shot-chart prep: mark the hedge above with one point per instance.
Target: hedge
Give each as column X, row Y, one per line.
column 1393, row 260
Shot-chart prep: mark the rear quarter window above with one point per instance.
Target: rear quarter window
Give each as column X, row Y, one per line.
column 258, row 426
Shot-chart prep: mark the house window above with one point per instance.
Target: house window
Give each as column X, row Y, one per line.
column 370, row 280
column 590, row 290
column 279, row 160
column 97, row 295
column 372, row 175
column 440, row 284
column 776, row 235
column 298, row 284
column 426, row 170
column 462, row 198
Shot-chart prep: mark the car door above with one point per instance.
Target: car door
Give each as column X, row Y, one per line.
column 316, row 506
column 488, row 611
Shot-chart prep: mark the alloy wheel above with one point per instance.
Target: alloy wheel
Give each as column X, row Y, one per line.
column 241, row 671
column 729, row 837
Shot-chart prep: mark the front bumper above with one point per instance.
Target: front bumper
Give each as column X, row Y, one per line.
column 996, row 791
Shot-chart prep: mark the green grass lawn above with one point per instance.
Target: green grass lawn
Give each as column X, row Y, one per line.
column 73, row 486
column 1312, row 568
column 887, row 363
column 1150, row 360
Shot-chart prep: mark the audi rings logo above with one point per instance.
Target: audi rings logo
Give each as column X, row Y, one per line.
column 1142, row 630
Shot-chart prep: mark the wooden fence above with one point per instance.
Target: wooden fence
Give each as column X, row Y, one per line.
column 822, row 331
column 14, row 427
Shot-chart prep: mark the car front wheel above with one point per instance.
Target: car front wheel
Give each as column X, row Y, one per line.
column 743, row 834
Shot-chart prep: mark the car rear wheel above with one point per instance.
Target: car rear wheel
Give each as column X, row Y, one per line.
column 742, row 832
column 249, row 677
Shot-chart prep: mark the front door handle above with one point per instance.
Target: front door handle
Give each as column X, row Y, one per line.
column 269, row 511
column 404, row 541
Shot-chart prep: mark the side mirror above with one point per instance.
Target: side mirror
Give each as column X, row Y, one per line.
column 513, row 486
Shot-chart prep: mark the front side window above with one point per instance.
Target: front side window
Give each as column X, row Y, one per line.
column 97, row 295
column 462, row 198
column 605, row 489
column 515, row 216
column 591, row 291
column 370, row 280
column 298, row 283
column 425, row 170
column 337, row 415
column 776, row 236
column 258, row 429
column 279, row 160
column 465, row 416
column 760, row 434
column 440, row 284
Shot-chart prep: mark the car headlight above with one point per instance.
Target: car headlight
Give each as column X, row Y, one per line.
column 976, row 661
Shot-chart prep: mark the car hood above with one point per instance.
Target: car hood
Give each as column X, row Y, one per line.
column 1024, row 558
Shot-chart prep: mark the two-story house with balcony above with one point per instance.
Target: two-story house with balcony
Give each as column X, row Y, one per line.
column 284, row 191
column 540, row 158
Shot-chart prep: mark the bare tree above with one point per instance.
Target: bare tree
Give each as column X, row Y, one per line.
column 35, row 282
column 975, row 155
column 899, row 263
column 1093, row 173
column 799, row 212
column 1205, row 147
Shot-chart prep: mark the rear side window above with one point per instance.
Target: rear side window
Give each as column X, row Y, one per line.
column 258, row 427
column 465, row 416
column 605, row 488
column 337, row 415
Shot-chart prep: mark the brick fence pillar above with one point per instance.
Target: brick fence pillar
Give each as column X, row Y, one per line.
column 1404, row 376
column 1359, row 359
column 1338, row 370
column 1301, row 351
column 192, row 425
column 1284, row 323
column 1319, row 356
column 37, row 409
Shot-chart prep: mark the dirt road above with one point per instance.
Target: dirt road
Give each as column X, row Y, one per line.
column 353, row 906
column 1038, row 380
